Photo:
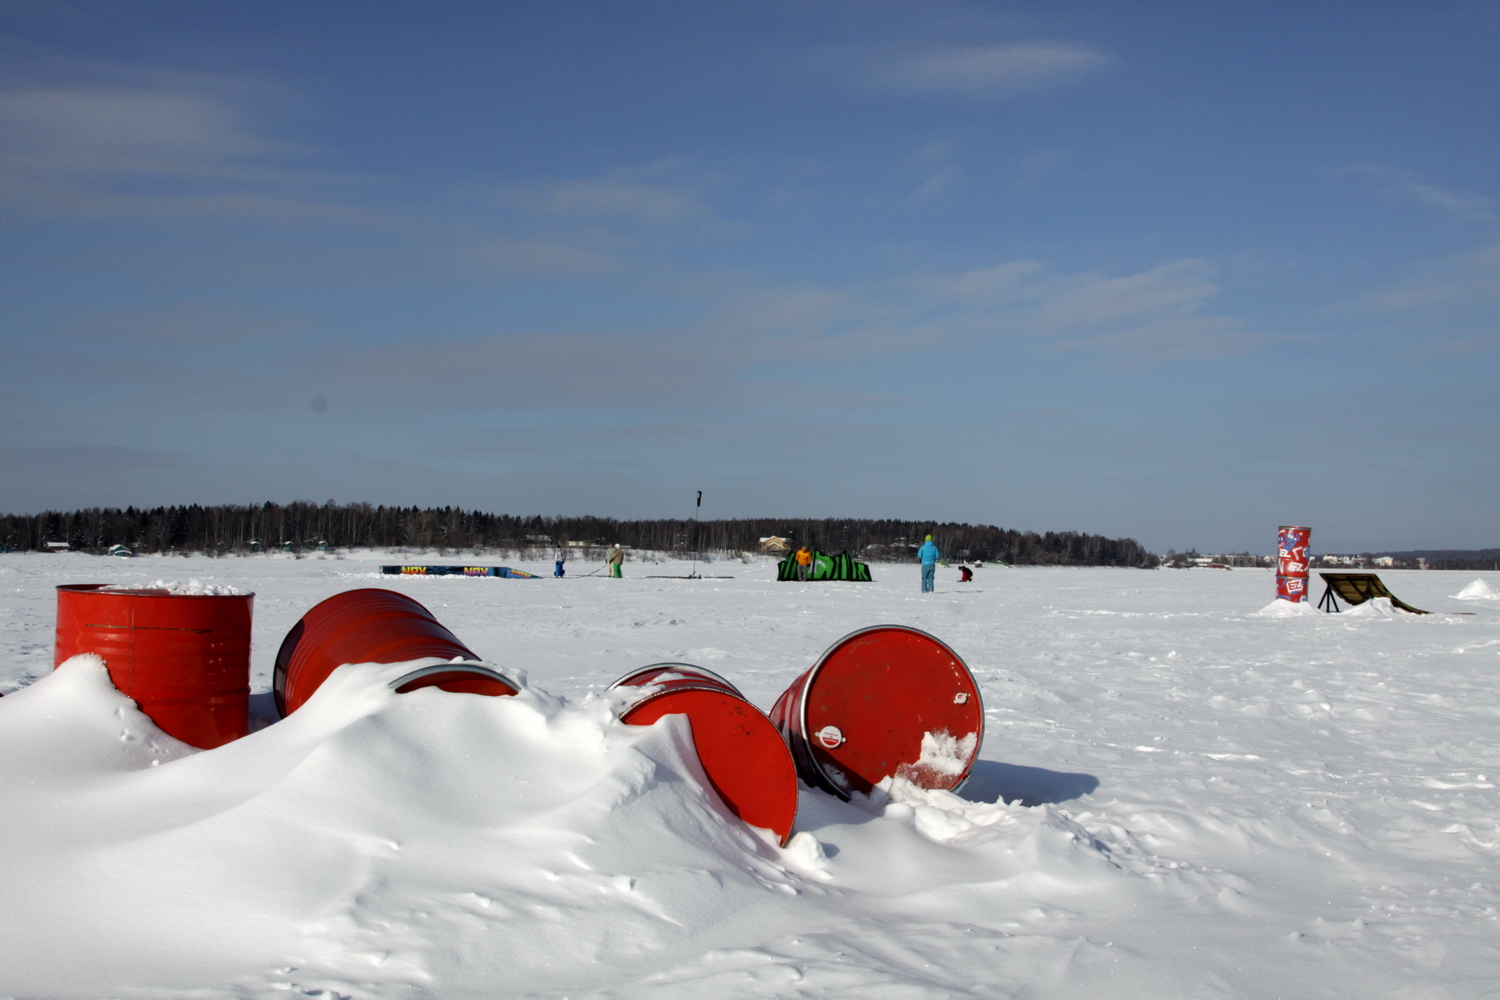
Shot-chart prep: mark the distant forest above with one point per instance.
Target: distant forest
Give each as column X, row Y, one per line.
column 303, row 527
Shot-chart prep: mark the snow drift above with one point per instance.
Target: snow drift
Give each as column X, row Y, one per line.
column 1479, row 590
column 372, row 842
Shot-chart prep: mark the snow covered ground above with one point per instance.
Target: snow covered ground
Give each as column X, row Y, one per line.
column 1181, row 795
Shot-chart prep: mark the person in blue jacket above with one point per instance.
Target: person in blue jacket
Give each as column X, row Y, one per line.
column 928, row 553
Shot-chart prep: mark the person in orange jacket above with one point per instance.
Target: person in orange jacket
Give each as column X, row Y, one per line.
column 804, row 563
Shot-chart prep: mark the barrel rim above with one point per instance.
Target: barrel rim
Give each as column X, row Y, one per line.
column 461, row 666
column 101, row 590
column 624, row 680
column 808, row 678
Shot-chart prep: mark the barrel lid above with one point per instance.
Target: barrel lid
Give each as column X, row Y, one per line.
column 115, row 590
column 890, row 700
column 445, row 674
column 673, row 672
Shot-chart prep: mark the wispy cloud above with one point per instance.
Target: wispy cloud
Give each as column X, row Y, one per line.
column 89, row 138
column 1001, row 70
column 122, row 130
column 1149, row 317
column 1038, row 166
column 1403, row 185
column 615, row 196
column 663, row 192
column 1091, row 300
column 1469, row 278
column 936, row 169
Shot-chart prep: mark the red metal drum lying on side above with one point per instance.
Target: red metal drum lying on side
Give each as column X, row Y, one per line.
column 372, row 625
column 743, row 756
column 883, row 701
column 183, row 658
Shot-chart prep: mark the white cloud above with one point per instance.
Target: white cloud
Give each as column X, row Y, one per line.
column 1090, row 300
column 1037, row 166
column 935, row 168
column 936, row 183
column 1403, row 185
column 990, row 70
column 616, row 196
column 87, row 138
column 1017, row 279
column 1465, row 279
column 119, row 130
column 1148, row 317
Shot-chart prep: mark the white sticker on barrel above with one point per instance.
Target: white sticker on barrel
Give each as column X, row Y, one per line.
column 962, row 698
column 829, row 736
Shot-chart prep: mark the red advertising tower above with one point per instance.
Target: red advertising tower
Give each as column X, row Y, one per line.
column 1291, row 562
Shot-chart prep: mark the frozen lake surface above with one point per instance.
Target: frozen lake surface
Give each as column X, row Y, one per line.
column 1181, row 794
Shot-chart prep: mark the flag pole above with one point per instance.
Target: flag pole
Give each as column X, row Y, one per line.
column 693, row 535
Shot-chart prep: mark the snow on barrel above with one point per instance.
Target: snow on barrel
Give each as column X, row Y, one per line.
column 887, row 701
column 372, row 625
column 183, row 656
column 743, row 756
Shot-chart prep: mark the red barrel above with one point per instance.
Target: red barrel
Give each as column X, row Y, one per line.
column 883, row 701
column 1292, row 558
column 376, row 626
column 743, row 756
column 183, row 658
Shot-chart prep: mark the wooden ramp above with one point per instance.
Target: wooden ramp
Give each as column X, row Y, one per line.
column 1357, row 588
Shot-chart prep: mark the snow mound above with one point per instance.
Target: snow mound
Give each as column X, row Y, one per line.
column 1478, row 591
column 1286, row 609
column 374, row 844
column 1376, row 607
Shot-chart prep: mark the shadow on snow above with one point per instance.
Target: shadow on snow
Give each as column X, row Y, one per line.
column 991, row 781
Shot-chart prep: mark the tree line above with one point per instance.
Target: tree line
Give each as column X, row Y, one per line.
column 304, row 526
column 1446, row 558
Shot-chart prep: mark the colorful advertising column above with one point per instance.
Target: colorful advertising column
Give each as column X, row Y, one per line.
column 1291, row 562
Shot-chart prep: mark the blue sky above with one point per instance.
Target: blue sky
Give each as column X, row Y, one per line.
column 1177, row 271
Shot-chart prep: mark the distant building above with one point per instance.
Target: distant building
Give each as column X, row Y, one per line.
column 120, row 550
column 57, row 546
column 775, row 545
column 1385, row 561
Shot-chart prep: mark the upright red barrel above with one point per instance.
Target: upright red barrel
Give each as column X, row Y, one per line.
column 1292, row 542
column 883, row 701
column 371, row 625
column 743, row 756
column 183, row 658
